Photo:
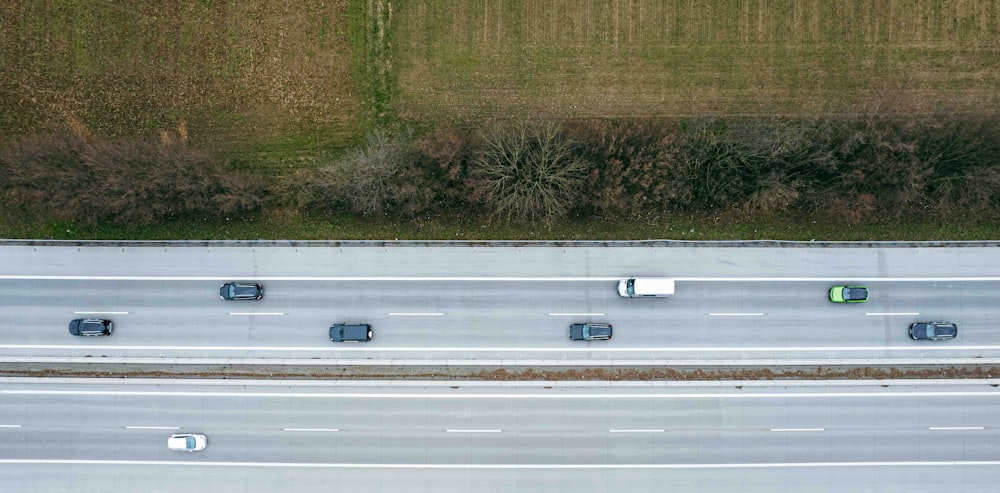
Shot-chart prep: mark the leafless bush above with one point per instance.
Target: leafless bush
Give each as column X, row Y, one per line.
column 444, row 157
column 66, row 178
column 381, row 177
column 720, row 168
column 635, row 168
column 527, row 171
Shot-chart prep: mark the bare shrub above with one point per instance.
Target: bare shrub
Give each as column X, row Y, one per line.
column 63, row 177
column 634, row 172
column 527, row 172
column 444, row 156
column 965, row 156
column 373, row 169
column 720, row 168
column 776, row 194
column 382, row 177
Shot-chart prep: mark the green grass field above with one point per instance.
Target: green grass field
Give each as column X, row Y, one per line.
column 282, row 77
column 277, row 86
column 468, row 60
column 269, row 77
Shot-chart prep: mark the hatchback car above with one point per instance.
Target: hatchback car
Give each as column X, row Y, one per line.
column 187, row 442
column 590, row 332
column 848, row 294
column 241, row 291
column 90, row 327
column 933, row 331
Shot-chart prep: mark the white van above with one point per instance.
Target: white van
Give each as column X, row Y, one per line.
column 646, row 287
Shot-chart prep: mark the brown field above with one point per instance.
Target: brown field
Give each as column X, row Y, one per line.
column 228, row 75
column 473, row 59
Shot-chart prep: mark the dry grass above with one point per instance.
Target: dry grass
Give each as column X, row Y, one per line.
column 474, row 59
column 219, row 74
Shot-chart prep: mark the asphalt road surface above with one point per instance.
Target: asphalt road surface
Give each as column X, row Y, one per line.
column 886, row 436
column 498, row 304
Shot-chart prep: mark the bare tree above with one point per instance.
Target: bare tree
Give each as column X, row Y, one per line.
column 528, row 171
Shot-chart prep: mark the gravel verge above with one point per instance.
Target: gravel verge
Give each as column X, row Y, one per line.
column 511, row 373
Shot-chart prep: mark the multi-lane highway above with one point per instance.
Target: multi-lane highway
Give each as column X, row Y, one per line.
column 467, row 305
column 883, row 436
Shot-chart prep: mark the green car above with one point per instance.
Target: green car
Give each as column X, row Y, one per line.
column 848, row 294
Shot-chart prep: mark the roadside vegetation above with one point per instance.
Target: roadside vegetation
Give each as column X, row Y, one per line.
column 455, row 119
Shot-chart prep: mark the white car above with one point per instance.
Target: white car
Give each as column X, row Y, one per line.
column 187, row 442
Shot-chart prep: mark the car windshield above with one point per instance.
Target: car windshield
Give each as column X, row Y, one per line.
column 189, row 442
column 232, row 290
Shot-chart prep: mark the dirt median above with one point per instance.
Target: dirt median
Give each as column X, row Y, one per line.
column 498, row 373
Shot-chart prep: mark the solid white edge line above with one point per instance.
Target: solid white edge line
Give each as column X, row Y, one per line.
column 470, row 362
column 473, row 431
column 256, row 313
column 503, row 396
column 312, row 429
column 797, row 429
column 495, row 279
column 490, row 384
column 100, row 313
column 954, row 428
column 891, row 314
column 576, row 314
column 152, row 427
column 10, row 426
column 636, row 431
column 735, row 314
column 415, row 314
column 328, row 465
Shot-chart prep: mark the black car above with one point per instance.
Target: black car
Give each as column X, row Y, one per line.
column 90, row 327
column 933, row 331
column 590, row 332
column 350, row 332
column 241, row 291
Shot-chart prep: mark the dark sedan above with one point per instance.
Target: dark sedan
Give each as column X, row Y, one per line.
column 90, row 327
column 241, row 291
column 933, row 331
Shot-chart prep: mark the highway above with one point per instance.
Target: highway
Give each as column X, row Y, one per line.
column 885, row 436
column 487, row 305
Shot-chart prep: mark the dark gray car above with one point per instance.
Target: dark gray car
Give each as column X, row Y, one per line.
column 241, row 291
column 933, row 331
column 90, row 327
column 590, row 332
column 350, row 332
